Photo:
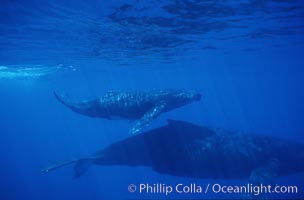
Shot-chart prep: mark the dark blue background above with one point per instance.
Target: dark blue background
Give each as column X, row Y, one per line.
column 245, row 58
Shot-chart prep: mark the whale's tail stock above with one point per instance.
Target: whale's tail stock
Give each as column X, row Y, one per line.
column 80, row 107
column 80, row 167
column 62, row 99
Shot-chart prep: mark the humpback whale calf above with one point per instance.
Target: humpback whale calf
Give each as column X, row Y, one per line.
column 188, row 150
column 141, row 106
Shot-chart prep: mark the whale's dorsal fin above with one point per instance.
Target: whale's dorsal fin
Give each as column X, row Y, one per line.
column 178, row 122
column 148, row 117
column 185, row 125
column 114, row 92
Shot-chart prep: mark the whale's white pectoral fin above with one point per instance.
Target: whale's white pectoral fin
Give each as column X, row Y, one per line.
column 81, row 165
column 147, row 118
column 62, row 164
column 265, row 175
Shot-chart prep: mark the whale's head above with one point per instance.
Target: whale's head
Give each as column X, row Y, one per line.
column 192, row 96
column 186, row 97
column 197, row 96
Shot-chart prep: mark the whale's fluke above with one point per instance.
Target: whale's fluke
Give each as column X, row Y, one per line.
column 81, row 167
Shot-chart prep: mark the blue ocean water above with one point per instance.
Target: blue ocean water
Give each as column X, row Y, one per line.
column 245, row 57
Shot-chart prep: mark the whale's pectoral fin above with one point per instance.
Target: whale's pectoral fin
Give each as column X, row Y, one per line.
column 147, row 118
column 81, row 165
column 263, row 176
column 59, row 165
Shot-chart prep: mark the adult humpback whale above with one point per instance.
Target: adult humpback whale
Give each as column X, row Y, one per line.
column 144, row 106
column 188, row 150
